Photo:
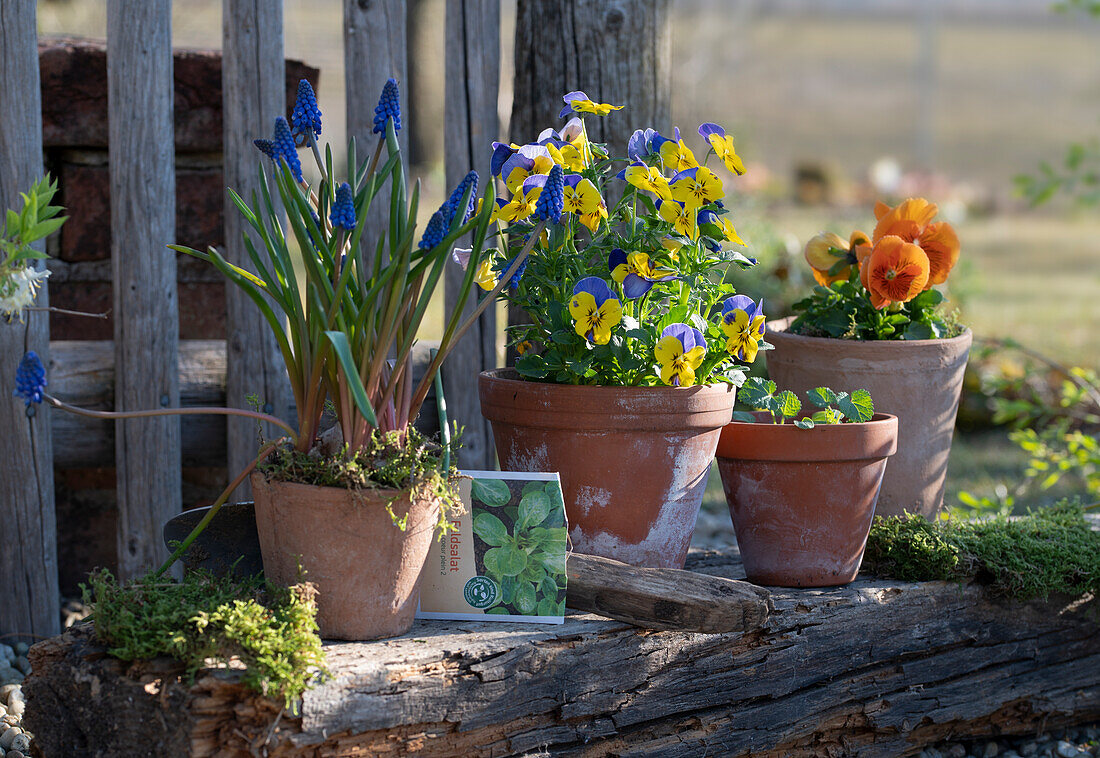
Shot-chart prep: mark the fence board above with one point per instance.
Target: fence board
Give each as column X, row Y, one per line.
column 374, row 50
column 28, row 560
column 143, row 203
column 471, row 123
column 253, row 94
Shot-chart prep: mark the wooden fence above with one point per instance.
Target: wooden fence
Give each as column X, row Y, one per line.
column 147, row 353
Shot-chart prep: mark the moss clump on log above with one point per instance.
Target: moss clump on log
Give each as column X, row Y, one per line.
column 1050, row 551
column 271, row 630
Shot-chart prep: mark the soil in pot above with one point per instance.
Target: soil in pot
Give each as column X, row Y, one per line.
column 633, row 460
column 802, row 500
column 919, row 381
column 366, row 570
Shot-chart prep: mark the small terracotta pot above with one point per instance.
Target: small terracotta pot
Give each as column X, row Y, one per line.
column 367, row 571
column 633, row 460
column 919, row 381
column 802, row 500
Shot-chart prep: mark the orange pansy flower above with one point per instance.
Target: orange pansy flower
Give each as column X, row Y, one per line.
column 821, row 260
column 895, row 272
column 912, row 221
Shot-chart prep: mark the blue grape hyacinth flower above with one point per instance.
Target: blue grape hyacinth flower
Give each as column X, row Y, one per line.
column 343, row 210
column 450, row 208
column 30, row 379
column 285, row 149
column 552, row 198
column 306, row 116
column 434, row 232
column 389, row 106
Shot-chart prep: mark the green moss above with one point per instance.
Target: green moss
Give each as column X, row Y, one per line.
column 388, row 462
column 271, row 630
column 1049, row 551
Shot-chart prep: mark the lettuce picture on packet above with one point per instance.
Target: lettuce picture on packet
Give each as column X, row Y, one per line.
column 504, row 558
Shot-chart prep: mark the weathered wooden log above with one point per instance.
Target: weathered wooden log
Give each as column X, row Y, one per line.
column 877, row 668
column 668, row 599
column 83, row 373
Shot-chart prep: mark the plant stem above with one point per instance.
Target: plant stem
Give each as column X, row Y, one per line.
column 201, row 526
column 1092, row 392
column 171, row 412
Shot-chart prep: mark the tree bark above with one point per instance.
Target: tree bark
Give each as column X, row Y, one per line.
column 28, row 561
column 616, row 51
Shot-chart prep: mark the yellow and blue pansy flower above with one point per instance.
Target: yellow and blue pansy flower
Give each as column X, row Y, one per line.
column 572, row 129
column 580, row 195
column 722, row 145
column 529, row 160
column 680, row 216
column 695, row 187
column 519, row 207
column 594, row 309
column 679, row 352
column 486, row 277
column 743, row 325
column 636, row 272
column 578, row 102
column 501, row 152
column 646, row 177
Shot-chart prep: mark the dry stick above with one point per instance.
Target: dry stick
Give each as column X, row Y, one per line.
column 66, row 311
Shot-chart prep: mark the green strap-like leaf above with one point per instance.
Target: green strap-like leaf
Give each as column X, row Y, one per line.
column 339, row 342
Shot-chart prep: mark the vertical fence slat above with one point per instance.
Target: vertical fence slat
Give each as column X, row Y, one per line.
column 28, row 559
column 253, row 94
column 374, row 50
column 146, row 312
column 471, row 123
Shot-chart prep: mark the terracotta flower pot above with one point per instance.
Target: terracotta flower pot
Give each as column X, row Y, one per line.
column 633, row 460
column 919, row 381
column 802, row 500
column 367, row 571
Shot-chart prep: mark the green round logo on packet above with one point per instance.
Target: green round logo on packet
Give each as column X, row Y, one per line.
column 480, row 592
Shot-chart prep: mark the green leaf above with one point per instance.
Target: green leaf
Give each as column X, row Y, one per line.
column 548, row 607
column 744, row 417
column 554, row 563
column 858, row 407
column 804, row 423
column 756, row 392
column 508, row 589
column 549, row 539
column 492, row 492
column 490, row 529
column 533, row 509
column 548, row 588
column 787, row 404
column 918, row 331
column 340, row 344
column 510, row 560
column 498, row 610
column 822, row 397
column 525, row 600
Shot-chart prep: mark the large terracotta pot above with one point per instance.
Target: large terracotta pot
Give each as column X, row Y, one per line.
column 366, row 570
column 633, row 460
column 919, row 381
column 802, row 500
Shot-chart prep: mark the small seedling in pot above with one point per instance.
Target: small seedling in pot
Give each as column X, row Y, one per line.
column 834, row 407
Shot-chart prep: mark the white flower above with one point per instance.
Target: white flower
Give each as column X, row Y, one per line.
column 461, row 256
column 18, row 290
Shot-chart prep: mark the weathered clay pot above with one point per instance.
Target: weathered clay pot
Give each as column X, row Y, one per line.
column 366, row 570
column 633, row 460
column 919, row 381
column 802, row 500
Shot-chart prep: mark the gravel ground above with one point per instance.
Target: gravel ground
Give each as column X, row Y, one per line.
column 14, row 742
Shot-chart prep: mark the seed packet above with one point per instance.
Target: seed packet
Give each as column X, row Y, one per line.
column 505, row 558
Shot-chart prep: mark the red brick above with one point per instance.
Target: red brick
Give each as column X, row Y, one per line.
column 86, row 195
column 89, row 297
column 200, row 207
column 74, row 94
column 202, row 311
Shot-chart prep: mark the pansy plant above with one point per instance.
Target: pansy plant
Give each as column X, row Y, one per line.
column 629, row 292
column 832, row 407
